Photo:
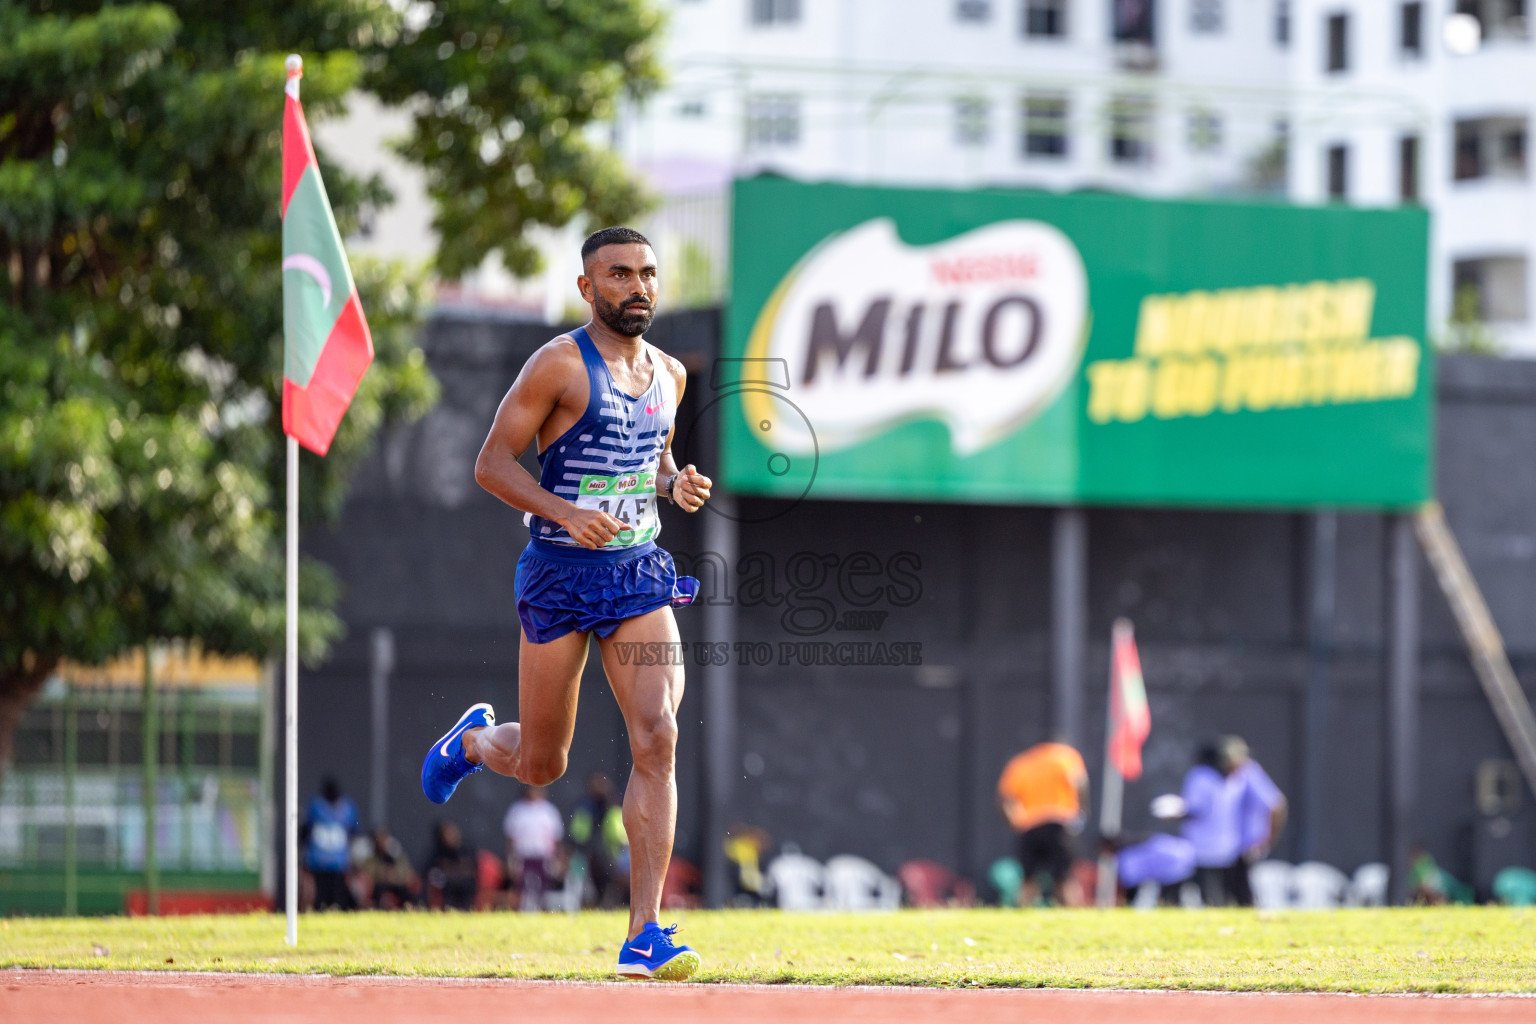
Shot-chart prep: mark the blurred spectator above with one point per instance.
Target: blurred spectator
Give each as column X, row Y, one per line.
column 452, row 869
column 930, row 884
column 392, row 879
column 1164, row 860
column 1261, row 810
column 1211, row 823
column 597, row 829
column 683, row 887
column 1515, row 887
column 493, row 881
column 744, row 848
column 1043, row 792
column 1007, row 878
column 533, row 829
column 1430, row 884
column 329, row 825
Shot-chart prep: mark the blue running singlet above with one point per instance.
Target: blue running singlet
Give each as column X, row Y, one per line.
column 609, row 457
column 607, row 460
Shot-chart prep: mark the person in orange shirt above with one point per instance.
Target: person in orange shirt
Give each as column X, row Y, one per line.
column 1043, row 792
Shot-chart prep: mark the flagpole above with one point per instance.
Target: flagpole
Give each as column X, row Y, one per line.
column 291, row 702
column 1112, row 802
column 295, row 68
column 1109, row 828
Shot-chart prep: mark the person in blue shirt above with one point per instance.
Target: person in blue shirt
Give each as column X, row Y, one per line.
column 1211, row 823
column 1167, row 860
column 329, row 825
column 1261, row 814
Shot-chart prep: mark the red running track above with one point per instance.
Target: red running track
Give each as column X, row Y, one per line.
column 64, row 997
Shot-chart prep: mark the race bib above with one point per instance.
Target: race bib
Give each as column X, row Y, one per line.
column 329, row 837
column 630, row 498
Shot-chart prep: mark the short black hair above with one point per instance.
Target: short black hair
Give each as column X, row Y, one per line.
column 611, row 236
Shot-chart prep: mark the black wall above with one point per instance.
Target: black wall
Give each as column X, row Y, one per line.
column 898, row 762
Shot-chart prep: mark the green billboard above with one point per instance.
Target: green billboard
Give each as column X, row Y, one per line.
column 1013, row 346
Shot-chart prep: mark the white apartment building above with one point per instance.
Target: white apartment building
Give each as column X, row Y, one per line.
column 1358, row 101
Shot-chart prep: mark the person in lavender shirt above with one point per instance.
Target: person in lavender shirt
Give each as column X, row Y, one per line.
column 1211, row 823
column 1167, row 860
column 1261, row 814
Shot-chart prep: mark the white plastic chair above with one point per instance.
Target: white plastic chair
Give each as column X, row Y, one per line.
column 1318, row 886
column 1270, row 881
column 853, row 883
column 1369, row 886
column 1147, row 894
column 798, row 881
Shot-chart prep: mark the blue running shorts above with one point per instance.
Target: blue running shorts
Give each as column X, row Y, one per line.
column 561, row 589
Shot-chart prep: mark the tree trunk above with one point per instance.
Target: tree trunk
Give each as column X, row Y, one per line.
column 18, row 688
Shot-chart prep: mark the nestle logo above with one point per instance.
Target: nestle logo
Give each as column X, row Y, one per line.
column 980, row 267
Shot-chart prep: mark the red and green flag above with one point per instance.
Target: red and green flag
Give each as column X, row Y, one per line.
column 1130, row 720
column 326, row 344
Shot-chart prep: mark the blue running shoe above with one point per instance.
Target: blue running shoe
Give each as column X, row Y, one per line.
column 446, row 764
column 653, row 954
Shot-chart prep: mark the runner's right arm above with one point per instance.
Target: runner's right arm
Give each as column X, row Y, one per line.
column 532, row 400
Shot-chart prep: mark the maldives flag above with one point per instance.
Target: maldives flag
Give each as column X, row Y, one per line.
column 326, row 345
column 1129, row 718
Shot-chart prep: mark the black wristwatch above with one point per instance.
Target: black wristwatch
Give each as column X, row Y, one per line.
column 671, row 486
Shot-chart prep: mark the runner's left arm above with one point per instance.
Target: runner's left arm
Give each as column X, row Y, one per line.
column 692, row 487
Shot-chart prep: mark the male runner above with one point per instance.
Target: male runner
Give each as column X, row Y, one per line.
column 600, row 402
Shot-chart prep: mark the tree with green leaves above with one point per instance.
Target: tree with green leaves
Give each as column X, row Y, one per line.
column 141, row 331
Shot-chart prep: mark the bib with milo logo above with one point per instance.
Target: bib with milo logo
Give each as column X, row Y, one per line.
column 609, row 457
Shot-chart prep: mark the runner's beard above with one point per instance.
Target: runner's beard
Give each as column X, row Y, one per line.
column 631, row 325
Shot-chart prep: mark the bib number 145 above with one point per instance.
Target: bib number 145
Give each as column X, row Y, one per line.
column 630, row 498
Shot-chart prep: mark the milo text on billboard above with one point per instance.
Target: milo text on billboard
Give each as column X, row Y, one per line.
column 1034, row 347
column 978, row 332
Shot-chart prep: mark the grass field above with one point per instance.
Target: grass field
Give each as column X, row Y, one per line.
column 1471, row 949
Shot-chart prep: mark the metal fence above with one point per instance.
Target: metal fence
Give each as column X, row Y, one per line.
column 77, row 833
column 691, row 234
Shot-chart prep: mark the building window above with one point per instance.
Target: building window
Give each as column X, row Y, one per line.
column 1205, row 16
column 775, row 12
column 973, row 115
column 1490, row 147
column 1496, row 284
column 1205, row 129
column 1512, row 152
column 1338, row 43
column 1469, row 152
column 1134, row 21
column 973, row 10
column 1045, row 127
column 773, row 122
column 1408, row 168
column 1410, row 31
column 692, row 109
column 1282, row 23
column 1045, row 19
column 1499, row 19
column 1338, row 172
column 1130, row 130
